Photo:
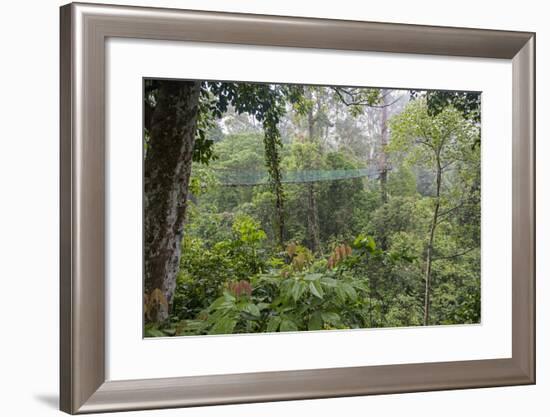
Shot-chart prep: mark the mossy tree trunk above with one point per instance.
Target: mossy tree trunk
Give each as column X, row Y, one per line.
column 171, row 124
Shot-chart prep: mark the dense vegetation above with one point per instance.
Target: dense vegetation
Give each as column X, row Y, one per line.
column 302, row 251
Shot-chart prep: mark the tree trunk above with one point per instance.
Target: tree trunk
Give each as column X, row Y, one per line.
column 310, row 124
column 383, row 161
column 167, row 169
column 383, row 157
column 312, row 211
column 429, row 252
column 279, row 208
column 313, row 219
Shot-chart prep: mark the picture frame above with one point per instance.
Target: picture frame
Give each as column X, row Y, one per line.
column 83, row 33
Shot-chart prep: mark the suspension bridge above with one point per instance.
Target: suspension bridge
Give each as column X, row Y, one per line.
column 236, row 178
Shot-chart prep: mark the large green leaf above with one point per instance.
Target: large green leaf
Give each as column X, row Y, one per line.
column 329, row 282
column 263, row 306
column 252, row 309
column 340, row 293
column 316, row 289
column 315, row 321
column 224, row 325
column 330, row 317
column 217, row 303
column 350, row 291
column 297, row 290
column 273, row 324
column 288, row 326
column 312, row 277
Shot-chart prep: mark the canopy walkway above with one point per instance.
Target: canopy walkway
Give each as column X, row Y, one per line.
column 235, row 178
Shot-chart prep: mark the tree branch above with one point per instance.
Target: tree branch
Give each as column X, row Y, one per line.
column 353, row 102
column 456, row 255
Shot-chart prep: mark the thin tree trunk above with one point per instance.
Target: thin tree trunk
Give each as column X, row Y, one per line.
column 310, row 124
column 279, row 208
column 313, row 219
column 429, row 252
column 312, row 211
column 383, row 161
column 383, row 157
column 167, row 169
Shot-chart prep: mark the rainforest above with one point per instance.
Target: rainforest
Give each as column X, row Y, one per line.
column 281, row 207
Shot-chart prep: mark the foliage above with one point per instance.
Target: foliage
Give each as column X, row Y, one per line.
column 444, row 143
column 241, row 272
column 447, row 135
column 306, row 295
column 267, row 104
column 468, row 103
column 205, row 270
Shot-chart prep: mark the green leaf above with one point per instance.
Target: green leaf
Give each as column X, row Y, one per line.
column 340, row 293
column 297, row 290
column 273, row 324
column 315, row 321
column 252, row 309
column 316, row 289
column 361, row 286
column 229, row 297
column 330, row 318
column 288, row 326
column 217, row 303
column 152, row 332
column 192, row 325
column 224, row 325
column 366, row 242
column 329, row 282
column 350, row 291
column 358, row 242
column 371, row 244
column 312, row 277
column 263, row 306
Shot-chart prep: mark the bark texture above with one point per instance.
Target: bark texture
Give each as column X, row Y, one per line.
column 429, row 251
column 167, row 169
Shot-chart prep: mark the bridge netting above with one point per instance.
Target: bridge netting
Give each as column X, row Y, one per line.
column 234, row 178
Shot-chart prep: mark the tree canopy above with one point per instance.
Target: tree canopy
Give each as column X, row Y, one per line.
column 398, row 248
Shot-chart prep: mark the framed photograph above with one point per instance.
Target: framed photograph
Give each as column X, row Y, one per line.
column 262, row 208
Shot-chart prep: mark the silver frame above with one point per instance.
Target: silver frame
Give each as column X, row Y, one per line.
column 84, row 29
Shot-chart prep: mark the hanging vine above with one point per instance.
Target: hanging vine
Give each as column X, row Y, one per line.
column 267, row 104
